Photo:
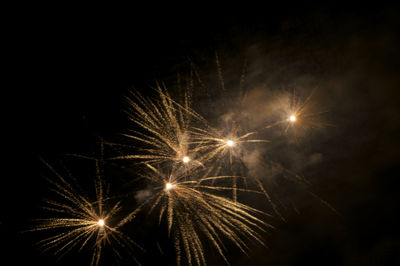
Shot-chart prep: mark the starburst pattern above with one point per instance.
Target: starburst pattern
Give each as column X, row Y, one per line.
column 164, row 133
column 194, row 173
column 299, row 114
column 79, row 222
column 192, row 209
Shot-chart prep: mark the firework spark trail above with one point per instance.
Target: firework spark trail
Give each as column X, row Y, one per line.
column 299, row 115
column 171, row 138
column 170, row 133
column 215, row 145
column 193, row 211
column 165, row 129
column 82, row 221
column 217, row 149
column 179, row 140
column 191, row 198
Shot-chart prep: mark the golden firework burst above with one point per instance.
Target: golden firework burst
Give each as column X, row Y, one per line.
column 164, row 129
column 193, row 210
column 79, row 222
column 299, row 114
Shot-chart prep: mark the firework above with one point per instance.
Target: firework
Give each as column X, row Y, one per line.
column 299, row 114
column 190, row 169
column 193, row 210
column 294, row 113
column 215, row 144
column 80, row 222
column 189, row 202
column 164, row 130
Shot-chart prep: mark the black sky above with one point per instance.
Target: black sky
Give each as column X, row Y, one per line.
column 67, row 72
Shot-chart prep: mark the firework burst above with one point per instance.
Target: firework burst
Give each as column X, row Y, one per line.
column 216, row 144
column 294, row 114
column 80, row 222
column 185, row 198
column 299, row 114
column 164, row 130
column 193, row 211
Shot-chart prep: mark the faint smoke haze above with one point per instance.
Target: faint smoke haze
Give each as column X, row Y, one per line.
column 142, row 195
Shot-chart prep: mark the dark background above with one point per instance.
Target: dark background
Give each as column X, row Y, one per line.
column 66, row 72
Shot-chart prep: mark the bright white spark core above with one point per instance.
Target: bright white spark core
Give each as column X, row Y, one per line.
column 101, row 222
column 292, row 118
column 186, row 159
column 168, row 186
column 230, row 143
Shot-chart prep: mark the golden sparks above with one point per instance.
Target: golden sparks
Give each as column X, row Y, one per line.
column 230, row 143
column 191, row 208
column 168, row 186
column 79, row 222
column 101, row 222
column 184, row 160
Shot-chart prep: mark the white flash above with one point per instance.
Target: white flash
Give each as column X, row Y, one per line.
column 168, row 186
column 101, row 222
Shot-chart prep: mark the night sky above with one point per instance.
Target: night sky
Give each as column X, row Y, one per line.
column 67, row 73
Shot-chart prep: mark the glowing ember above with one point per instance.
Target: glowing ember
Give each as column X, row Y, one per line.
column 168, row 186
column 101, row 222
column 230, row 143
